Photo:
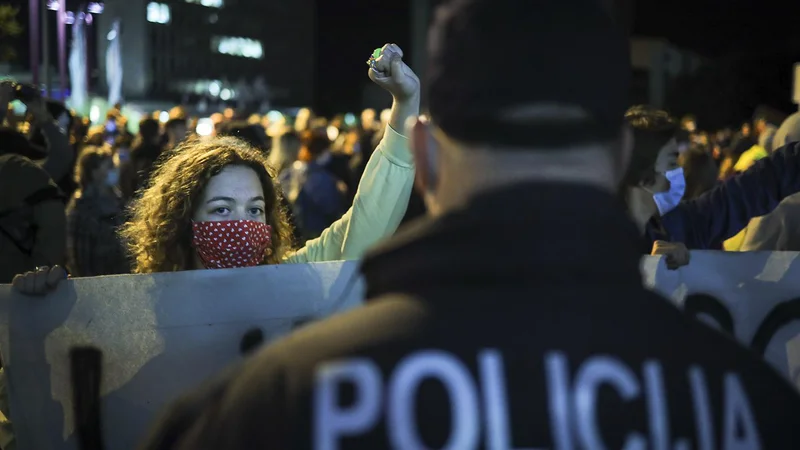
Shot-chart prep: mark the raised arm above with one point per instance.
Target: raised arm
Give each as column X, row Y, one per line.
column 704, row 223
column 385, row 187
column 59, row 154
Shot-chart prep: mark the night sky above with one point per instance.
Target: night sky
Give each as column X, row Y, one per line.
column 717, row 27
column 756, row 42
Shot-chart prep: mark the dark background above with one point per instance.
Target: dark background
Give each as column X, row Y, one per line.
column 753, row 45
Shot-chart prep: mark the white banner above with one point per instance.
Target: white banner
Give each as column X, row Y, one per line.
column 165, row 333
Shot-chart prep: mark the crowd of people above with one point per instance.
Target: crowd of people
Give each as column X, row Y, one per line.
column 543, row 188
column 115, row 217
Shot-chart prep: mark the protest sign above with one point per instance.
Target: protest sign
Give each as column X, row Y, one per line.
column 754, row 296
column 162, row 334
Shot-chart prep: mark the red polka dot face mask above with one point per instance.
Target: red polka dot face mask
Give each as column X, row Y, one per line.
column 231, row 243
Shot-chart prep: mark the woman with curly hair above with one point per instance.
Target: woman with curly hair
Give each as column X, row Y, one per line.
column 215, row 203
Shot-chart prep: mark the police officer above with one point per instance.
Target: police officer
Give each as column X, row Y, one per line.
column 515, row 316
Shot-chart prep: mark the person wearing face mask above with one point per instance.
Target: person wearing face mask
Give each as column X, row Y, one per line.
column 654, row 186
column 215, row 203
column 654, row 183
column 94, row 215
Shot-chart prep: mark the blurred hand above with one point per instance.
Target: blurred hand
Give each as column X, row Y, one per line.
column 40, row 281
column 675, row 253
column 392, row 74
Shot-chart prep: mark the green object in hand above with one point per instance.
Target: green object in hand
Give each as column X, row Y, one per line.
column 372, row 59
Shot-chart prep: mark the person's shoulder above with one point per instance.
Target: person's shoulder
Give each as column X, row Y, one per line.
column 787, row 150
column 387, row 319
column 284, row 369
column 18, row 161
column 25, row 175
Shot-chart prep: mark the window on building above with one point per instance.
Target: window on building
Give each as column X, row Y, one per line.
column 158, row 13
column 208, row 3
column 238, row 46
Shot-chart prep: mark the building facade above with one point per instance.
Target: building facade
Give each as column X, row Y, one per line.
column 656, row 63
column 207, row 50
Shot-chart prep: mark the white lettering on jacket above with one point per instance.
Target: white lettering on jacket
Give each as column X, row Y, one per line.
column 479, row 403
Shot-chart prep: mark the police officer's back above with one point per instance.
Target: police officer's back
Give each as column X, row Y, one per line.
column 515, row 317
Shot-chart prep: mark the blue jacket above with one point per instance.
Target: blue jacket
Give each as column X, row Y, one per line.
column 314, row 196
column 705, row 222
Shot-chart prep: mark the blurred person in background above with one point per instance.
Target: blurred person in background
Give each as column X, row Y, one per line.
column 268, row 124
column 94, row 215
column 193, row 123
column 780, row 229
column 700, row 171
column 252, row 134
column 655, row 187
column 223, row 185
column 116, row 110
column 384, row 118
column 303, row 119
column 216, row 120
column 760, row 146
column 314, row 192
column 70, row 125
column 544, row 339
column 767, row 134
column 110, row 127
column 178, row 112
column 284, row 152
column 746, row 161
column 124, row 136
column 32, row 219
column 789, row 131
column 369, row 126
column 746, row 130
column 146, row 149
column 48, row 144
column 689, row 123
column 738, row 145
column 95, row 138
column 175, row 131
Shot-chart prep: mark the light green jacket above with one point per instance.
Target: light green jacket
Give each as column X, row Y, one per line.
column 379, row 206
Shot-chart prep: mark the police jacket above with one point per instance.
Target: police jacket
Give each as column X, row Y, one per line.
column 518, row 322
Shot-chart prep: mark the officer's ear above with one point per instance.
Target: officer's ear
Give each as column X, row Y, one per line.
column 425, row 151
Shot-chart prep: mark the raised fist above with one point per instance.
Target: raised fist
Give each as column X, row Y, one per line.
column 391, row 73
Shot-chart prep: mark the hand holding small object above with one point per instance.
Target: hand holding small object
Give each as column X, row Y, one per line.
column 388, row 71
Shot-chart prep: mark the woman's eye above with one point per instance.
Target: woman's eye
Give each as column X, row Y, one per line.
column 256, row 211
column 221, row 210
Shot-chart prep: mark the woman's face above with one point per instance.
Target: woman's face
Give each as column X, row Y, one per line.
column 640, row 198
column 233, row 194
column 667, row 160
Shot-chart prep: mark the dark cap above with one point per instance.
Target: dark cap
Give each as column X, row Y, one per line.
column 490, row 57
